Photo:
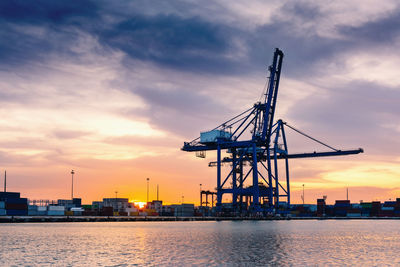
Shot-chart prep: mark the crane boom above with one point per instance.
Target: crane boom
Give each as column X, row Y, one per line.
column 254, row 144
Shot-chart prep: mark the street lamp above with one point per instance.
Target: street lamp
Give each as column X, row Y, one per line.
column 303, row 194
column 147, row 179
column 72, row 187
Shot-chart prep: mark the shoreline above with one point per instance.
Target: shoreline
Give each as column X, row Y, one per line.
column 47, row 219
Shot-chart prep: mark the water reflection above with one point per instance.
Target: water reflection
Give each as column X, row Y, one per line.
column 248, row 243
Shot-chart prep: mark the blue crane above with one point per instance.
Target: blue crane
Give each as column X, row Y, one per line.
column 253, row 144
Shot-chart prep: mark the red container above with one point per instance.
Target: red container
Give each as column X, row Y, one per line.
column 14, row 206
column 386, row 213
column 107, row 211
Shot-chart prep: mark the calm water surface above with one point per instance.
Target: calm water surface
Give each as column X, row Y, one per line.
column 247, row 243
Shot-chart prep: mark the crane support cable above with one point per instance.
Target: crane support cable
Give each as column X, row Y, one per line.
column 234, row 118
column 224, row 124
column 306, row 135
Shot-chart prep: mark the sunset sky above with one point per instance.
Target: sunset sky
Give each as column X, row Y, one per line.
column 112, row 89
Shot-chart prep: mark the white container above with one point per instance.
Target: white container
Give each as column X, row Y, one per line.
column 132, row 209
column 77, row 209
column 212, row 136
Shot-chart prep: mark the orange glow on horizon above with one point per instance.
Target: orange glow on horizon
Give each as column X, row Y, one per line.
column 139, row 204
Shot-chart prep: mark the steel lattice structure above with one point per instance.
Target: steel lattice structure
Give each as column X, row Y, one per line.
column 254, row 144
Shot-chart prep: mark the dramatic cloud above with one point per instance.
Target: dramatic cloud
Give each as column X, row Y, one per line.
column 113, row 88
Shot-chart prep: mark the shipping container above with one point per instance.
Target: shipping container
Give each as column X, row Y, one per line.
column 342, row 205
column 77, row 202
column 77, row 211
column 32, row 207
column 212, row 136
column 55, row 212
column 17, row 212
column 9, row 195
column 389, row 204
column 17, row 201
column 366, row 205
column 376, row 203
column 56, row 208
column 149, row 210
column 386, row 213
column 3, row 212
column 313, row 208
column 354, row 210
column 32, row 213
column 107, row 211
column 353, row 214
column 340, row 213
column 2, row 205
column 90, row 213
column 342, row 202
column 12, row 206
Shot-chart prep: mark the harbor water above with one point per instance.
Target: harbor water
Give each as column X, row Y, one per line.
column 225, row 243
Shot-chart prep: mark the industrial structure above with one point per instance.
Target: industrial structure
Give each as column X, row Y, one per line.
column 253, row 145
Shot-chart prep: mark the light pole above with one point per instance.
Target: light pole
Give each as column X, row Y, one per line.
column 72, row 187
column 303, row 194
column 147, row 179
column 201, row 200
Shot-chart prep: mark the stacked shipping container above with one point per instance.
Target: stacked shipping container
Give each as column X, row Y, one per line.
column 13, row 204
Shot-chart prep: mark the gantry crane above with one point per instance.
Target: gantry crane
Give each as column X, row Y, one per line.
column 253, row 144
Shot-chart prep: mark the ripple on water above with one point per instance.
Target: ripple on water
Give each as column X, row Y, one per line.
column 247, row 243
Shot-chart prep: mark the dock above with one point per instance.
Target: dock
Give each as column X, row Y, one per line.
column 47, row 219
